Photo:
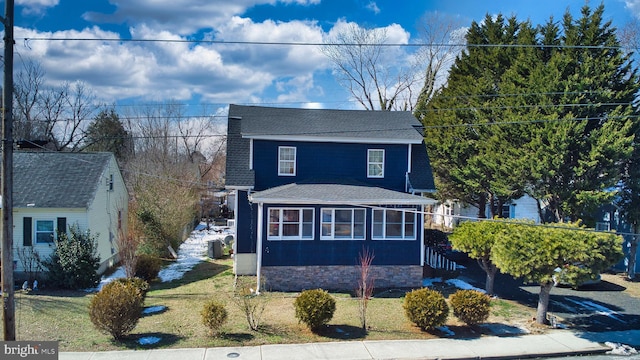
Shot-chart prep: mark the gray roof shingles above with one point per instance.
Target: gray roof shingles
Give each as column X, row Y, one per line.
column 260, row 121
column 57, row 180
column 336, row 194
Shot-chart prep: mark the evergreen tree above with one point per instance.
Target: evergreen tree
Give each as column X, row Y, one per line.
column 107, row 133
column 535, row 110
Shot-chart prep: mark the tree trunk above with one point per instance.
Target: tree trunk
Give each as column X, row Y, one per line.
column 482, row 206
column 543, row 303
column 491, row 270
column 633, row 249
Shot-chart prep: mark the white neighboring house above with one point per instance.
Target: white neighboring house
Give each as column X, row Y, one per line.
column 447, row 214
column 55, row 190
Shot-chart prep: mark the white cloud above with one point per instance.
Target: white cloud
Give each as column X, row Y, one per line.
column 633, row 6
column 36, row 7
column 373, row 7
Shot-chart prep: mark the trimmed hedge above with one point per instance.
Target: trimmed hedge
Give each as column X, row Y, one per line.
column 426, row 308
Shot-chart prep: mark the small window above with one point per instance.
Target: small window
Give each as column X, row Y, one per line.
column 44, row 231
column 375, row 163
column 342, row 224
column 394, row 224
column 603, row 226
column 290, row 224
column 286, row 161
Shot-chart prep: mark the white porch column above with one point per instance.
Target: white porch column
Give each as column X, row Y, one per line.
column 259, row 247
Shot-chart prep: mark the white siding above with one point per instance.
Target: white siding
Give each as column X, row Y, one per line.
column 103, row 213
column 73, row 216
column 449, row 213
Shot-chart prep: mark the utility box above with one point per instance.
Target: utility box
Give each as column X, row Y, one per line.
column 214, row 249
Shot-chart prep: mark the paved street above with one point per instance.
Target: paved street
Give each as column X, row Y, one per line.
column 596, row 308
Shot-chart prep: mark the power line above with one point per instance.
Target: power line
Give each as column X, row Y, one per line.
column 304, row 43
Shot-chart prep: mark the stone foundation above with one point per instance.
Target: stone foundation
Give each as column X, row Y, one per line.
column 345, row 278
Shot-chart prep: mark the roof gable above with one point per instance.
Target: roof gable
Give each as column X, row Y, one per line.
column 57, row 179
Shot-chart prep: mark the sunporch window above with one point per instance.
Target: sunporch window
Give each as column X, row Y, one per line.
column 290, row 224
column 394, row 224
column 343, row 224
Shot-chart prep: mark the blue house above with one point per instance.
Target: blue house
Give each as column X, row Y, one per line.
column 316, row 188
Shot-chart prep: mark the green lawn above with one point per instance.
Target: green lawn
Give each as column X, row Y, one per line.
column 63, row 316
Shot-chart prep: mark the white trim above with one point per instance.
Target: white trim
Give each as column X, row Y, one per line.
column 421, row 236
column 250, row 154
column 409, row 154
column 259, row 248
column 286, row 201
column 332, row 139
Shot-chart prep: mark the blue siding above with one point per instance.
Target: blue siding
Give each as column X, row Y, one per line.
column 329, row 161
column 339, row 252
column 246, row 215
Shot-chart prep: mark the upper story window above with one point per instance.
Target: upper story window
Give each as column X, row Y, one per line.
column 44, row 231
column 394, row 224
column 375, row 163
column 286, row 161
column 290, row 224
column 342, row 224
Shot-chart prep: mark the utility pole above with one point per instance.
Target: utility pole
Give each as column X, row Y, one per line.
column 8, row 292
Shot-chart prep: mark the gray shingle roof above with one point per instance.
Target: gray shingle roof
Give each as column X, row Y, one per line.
column 388, row 126
column 57, row 180
column 336, row 194
column 421, row 176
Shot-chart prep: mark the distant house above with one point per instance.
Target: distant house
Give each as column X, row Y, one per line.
column 447, row 214
column 315, row 188
column 55, row 190
column 608, row 218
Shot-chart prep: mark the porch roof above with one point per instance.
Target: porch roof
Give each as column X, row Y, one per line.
column 336, row 194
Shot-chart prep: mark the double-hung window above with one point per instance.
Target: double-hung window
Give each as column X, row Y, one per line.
column 286, row 161
column 375, row 163
column 343, row 224
column 290, row 224
column 394, row 224
column 44, row 231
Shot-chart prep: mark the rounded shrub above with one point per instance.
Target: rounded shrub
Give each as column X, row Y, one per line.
column 116, row 309
column 470, row 306
column 426, row 308
column 139, row 283
column 148, row 267
column 314, row 308
column 214, row 315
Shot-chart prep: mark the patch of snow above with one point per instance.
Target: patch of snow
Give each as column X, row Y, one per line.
column 446, row 330
column 149, row 340
column 191, row 253
column 620, row 349
column 430, row 281
column 153, row 309
column 460, row 284
column 598, row 309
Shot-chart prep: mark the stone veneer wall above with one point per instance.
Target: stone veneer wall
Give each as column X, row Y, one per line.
column 297, row 278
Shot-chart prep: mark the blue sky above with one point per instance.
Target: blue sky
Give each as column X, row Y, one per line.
column 218, row 74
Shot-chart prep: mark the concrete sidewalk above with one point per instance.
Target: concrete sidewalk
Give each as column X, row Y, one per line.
column 553, row 343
